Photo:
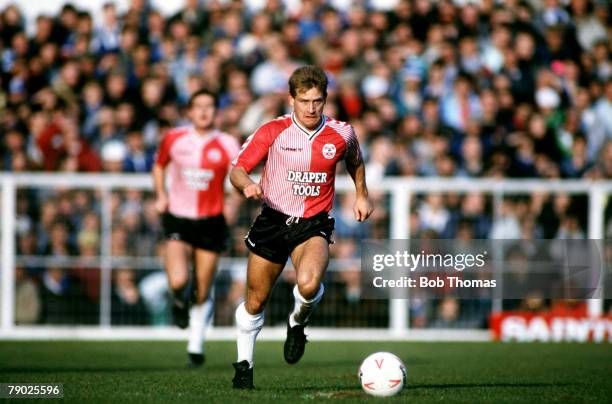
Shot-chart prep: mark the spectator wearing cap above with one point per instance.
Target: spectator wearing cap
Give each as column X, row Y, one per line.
column 548, row 102
column 113, row 156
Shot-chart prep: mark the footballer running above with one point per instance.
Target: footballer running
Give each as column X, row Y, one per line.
column 301, row 151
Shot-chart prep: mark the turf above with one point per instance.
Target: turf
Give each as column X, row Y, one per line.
column 437, row 372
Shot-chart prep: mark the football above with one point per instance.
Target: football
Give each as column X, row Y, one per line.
column 382, row 374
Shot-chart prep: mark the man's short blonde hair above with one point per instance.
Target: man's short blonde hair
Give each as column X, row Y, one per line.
column 307, row 77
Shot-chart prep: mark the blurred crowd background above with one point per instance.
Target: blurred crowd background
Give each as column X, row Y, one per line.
column 472, row 89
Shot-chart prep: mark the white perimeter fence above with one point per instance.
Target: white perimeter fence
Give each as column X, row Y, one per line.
column 399, row 190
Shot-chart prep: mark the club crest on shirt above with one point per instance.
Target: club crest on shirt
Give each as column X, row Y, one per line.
column 329, row 151
column 214, row 155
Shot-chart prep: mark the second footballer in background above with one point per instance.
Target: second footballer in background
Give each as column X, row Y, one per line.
column 195, row 159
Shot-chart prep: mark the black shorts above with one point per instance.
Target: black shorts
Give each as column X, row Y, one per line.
column 274, row 235
column 208, row 233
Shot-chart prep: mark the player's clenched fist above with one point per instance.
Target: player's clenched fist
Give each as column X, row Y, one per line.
column 362, row 209
column 161, row 203
column 253, row 191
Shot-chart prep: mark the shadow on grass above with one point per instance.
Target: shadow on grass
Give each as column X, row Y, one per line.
column 317, row 387
column 480, row 385
column 313, row 392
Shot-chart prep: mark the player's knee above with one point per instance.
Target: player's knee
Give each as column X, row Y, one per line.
column 254, row 306
column 177, row 282
column 308, row 288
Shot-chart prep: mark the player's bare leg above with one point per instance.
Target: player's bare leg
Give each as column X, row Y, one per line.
column 261, row 276
column 310, row 260
column 202, row 309
column 177, row 267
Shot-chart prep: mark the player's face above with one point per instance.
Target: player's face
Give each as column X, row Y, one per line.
column 202, row 112
column 308, row 107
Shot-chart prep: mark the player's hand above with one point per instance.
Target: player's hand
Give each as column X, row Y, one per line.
column 161, row 203
column 253, row 191
column 362, row 208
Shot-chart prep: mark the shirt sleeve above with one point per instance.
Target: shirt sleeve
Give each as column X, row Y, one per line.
column 163, row 152
column 255, row 149
column 231, row 146
column 353, row 151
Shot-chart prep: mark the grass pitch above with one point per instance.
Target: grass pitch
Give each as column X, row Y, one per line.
column 103, row 371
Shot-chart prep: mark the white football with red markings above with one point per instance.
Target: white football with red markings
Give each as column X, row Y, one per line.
column 382, row 374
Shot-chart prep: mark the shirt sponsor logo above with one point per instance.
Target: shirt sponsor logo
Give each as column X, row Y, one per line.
column 306, row 176
column 329, row 151
column 198, row 178
column 303, row 181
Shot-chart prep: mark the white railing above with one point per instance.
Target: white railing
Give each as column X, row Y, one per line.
column 399, row 190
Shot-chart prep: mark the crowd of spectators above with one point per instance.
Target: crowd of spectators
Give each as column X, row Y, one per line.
column 512, row 89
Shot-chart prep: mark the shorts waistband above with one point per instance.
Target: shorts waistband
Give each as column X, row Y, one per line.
column 195, row 219
column 288, row 218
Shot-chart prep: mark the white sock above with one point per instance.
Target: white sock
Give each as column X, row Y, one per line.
column 303, row 308
column 248, row 326
column 199, row 319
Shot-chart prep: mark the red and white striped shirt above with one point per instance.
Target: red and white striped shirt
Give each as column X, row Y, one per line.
column 299, row 173
column 196, row 170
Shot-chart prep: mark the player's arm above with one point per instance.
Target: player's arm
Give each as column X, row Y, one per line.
column 356, row 169
column 254, row 150
column 158, row 173
column 242, row 181
column 159, row 185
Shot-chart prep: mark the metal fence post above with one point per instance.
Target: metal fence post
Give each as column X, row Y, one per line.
column 106, row 258
column 498, row 254
column 400, row 212
column 8, row 254
column 596, row 232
